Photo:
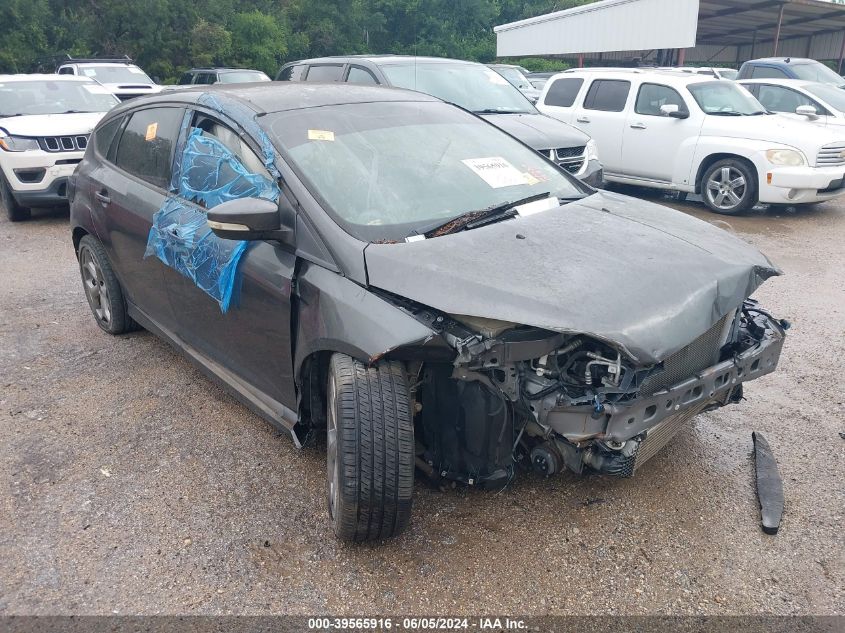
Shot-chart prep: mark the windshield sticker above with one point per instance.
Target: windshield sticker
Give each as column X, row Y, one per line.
column 320, row 135
column 89, row 72
column 414, row 238
column 496, row 78
column 538, row 206
column 97, row 90
column 152, row 130
column 530, row 178
column 496, row 171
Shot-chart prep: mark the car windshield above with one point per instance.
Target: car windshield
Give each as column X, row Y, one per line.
column 242, row 76
column 512, row 75
column 121, row 74
column 53, row 97
column 725, row 99
column 816, row 72
column 728, row 73
column 471, row 86
column 384, row 170
column 835, row 97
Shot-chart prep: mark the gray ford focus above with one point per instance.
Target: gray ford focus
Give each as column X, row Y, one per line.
column 403, row 277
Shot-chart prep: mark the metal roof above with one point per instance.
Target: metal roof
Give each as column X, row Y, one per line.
column 722, row 30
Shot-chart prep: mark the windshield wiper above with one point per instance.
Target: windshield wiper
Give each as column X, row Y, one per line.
column 726, row 113
column 474, row 219
column 500, row 111
column 76, row 112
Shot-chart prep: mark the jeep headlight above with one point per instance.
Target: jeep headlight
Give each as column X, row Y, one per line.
column 592, row 150
column 786, row 157
column 17, row 143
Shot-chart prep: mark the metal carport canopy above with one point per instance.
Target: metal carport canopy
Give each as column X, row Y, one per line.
column 733, row 30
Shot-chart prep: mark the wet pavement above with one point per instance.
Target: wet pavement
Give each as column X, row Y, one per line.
column 131, row 484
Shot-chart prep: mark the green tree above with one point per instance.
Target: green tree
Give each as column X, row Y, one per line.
column 210, row 43
column 258, row 41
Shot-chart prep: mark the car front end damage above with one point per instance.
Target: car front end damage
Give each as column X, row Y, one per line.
column 515, row 396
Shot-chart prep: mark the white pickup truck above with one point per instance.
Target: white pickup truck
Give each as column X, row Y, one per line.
column 690, row 133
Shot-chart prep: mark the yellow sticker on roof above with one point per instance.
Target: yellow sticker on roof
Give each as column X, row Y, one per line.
column 320, row 135
column 152, row 130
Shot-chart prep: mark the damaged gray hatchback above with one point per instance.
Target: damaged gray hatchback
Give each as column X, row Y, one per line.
column 426, row 290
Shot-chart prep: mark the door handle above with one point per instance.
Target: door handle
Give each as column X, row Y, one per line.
column 638, row 126
column 582, row 119
column 103, row 197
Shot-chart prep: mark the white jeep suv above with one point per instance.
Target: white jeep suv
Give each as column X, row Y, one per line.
column 120, row 76
column 690, row 133
column 45, row 122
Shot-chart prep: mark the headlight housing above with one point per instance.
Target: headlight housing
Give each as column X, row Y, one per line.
column 786, row 157
column 17, row 143
column 592, row 150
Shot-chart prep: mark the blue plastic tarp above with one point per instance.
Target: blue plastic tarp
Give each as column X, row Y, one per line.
column 209, row 174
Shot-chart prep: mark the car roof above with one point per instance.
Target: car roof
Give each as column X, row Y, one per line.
column 380, row 59
column 44, row 77
column 667, row 76
column 266, row 97
column 783, row 60
column 221, row 69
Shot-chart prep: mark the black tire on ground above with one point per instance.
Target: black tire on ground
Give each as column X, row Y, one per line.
column 370, row 449
column 14, row 211
column 102, row 289
column 729, row 187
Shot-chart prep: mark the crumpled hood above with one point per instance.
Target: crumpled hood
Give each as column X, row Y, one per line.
column 539, row 131
column 636, row 274
column 51, row 124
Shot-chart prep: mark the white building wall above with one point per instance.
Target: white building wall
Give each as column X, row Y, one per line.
column 609, row 25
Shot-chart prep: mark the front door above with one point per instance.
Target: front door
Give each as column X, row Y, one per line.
column 249, row 334
column 654, row 146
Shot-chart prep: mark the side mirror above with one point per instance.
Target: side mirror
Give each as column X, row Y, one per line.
column 672, row 110
column 249, row 219
column 807, row 111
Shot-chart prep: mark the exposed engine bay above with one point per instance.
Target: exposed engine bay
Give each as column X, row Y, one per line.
column 511, row 397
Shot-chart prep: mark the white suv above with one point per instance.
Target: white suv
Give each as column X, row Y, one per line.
column 45, row 122
column 689, row 133
column 120, row 76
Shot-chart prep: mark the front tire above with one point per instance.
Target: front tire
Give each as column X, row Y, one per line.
column 14, row 211
column 102, row 289
column 370, row 449
column 729, row 187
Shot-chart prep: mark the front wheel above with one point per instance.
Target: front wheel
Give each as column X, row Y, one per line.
column 370, row 449
column 14, row 211
column 729, row 187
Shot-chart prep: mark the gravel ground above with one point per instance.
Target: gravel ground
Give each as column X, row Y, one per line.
column 131, row 484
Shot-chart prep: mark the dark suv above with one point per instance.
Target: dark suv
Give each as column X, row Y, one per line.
column 789, row 68
column 472, row 86
column 206, row 76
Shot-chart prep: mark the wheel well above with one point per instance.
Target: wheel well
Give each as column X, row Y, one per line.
column 313, row 378
column 714, row 158
column 78, row 234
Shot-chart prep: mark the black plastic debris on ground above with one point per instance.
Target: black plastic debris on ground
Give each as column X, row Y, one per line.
column 769, row 485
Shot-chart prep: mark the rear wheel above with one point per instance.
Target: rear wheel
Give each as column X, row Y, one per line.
column 370, row 449
column 729, row 187
column 103, row 291
column 14, row 211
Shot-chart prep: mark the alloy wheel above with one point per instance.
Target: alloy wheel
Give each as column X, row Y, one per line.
column 332, row 463
column 726, row 188
column 95, row 286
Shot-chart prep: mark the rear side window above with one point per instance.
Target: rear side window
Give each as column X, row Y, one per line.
column 562, row 92
column 146, row 145
column 608, row 95
column 325, row 73
column 358, row 75
column 767, row 72
column 67, row 70
column 185, row 79
column 292, row 73
column 105, row 135
column 652, row 96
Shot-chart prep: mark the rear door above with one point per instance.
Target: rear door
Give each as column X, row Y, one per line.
column 654, row 146
column 129, row 188
column 559, row 100
column 602, row 115
column 251, row 339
